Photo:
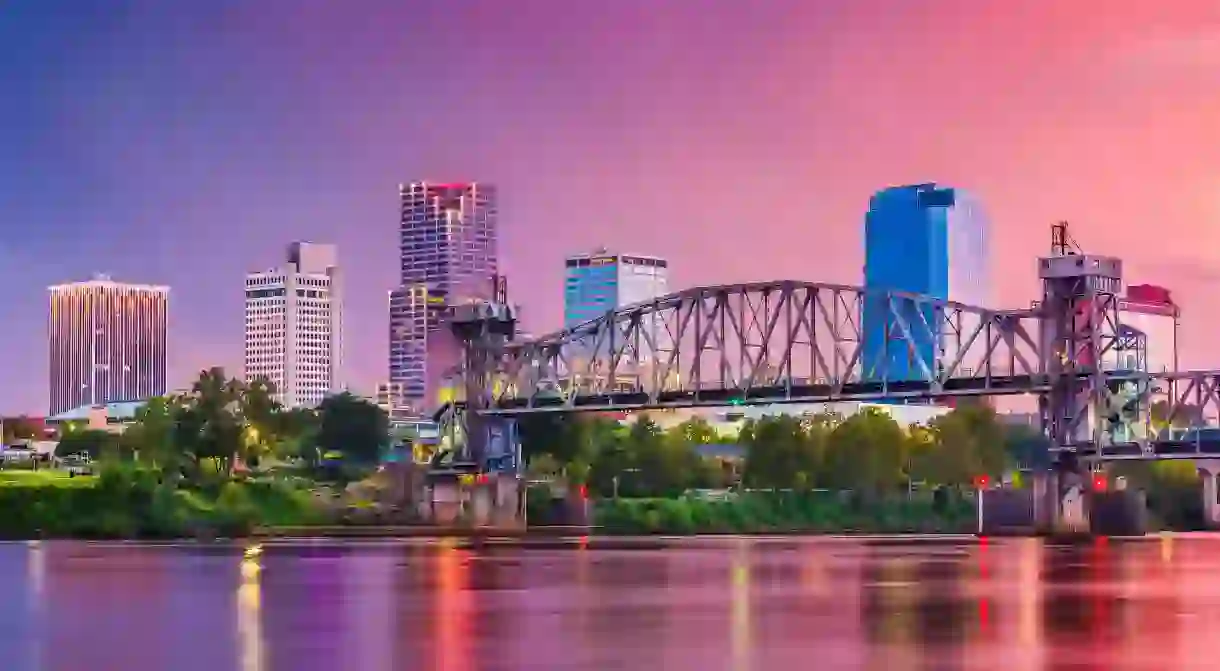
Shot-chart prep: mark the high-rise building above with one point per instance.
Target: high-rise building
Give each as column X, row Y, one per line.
column 922, row 239
column 448, row 254
column 107, row 343
column 294, row 325
column 601, row 281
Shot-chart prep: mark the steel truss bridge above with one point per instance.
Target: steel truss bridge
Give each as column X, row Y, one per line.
column 793, row 342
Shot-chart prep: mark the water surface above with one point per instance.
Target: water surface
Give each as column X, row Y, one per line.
column 707, row 604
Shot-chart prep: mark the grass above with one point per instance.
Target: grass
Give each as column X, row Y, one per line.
column 44, row 477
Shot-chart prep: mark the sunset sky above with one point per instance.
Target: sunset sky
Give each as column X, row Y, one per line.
column 186, row 143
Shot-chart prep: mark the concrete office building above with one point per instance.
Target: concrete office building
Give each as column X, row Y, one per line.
column 448, row 254
column 107, row 343
column 923, row 239
column 294, row 325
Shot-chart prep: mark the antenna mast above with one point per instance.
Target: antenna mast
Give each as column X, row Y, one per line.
column 1062, row 243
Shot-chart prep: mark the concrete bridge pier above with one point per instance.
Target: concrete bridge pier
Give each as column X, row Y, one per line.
column 1060, row 502
column 1209, row 471
column 1044, row 488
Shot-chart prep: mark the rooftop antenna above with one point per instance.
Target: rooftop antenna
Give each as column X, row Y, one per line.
column 1062, row 243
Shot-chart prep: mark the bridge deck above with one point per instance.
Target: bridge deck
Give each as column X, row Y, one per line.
column 802, row 393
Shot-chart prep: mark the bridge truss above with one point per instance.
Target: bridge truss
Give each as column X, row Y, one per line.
column 800, row 342
column 774, row 342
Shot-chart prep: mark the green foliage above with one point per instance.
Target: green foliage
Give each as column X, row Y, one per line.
column 868, row 452
column 793, row 512
column 353, row 426
column 94, row 442
column 133, row 501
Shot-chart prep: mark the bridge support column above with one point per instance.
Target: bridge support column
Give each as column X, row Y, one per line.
column 1045, row 493
column 1209, row 471
column 1060, row 502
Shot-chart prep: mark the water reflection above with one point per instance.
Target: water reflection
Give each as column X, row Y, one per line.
column 249, row 612
column 710, row 604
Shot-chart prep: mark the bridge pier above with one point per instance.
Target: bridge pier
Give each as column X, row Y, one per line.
column 1209, row 471
column 1064, row 503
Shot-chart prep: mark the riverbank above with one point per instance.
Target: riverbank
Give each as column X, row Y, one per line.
column 779, row 513
column 132, row 503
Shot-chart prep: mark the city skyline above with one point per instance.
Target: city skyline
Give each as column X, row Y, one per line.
column 191, row 181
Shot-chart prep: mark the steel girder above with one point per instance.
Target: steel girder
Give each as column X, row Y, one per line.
column 1159, row 416
column 784, row 341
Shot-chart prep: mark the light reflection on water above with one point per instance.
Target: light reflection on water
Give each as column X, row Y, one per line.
column 728, row 603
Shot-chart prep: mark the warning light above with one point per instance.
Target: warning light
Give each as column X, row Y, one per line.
column 1099, row 482
column 584, row 492
column 981, row 482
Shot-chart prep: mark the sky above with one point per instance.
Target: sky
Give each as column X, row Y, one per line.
column 187, row 143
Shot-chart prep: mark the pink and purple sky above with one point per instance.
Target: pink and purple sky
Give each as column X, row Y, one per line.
column 187, row 143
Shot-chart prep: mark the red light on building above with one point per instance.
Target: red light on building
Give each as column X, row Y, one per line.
column 1099, row 482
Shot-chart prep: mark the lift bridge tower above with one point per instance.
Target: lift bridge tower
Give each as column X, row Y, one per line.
column 1080, row 327
column 484, row 327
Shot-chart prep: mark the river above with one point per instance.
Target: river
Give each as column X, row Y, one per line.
column 712, row 603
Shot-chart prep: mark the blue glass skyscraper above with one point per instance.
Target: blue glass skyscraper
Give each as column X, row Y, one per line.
column 923, row 239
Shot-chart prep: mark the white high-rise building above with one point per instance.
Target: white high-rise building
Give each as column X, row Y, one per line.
column 294, row 325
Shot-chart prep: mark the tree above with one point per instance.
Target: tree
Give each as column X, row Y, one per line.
column 151, row 436
column 1184, row 416
column 867, row 451
column 296, row 434
column 259, row 411
column 958, row 447
column 785, row 452
column 353, row 426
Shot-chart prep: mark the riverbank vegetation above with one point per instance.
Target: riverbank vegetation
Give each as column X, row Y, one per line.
column 818, row 472
column 868, row 453
column 219, row 460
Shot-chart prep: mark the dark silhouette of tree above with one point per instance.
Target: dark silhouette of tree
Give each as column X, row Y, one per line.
column 353, row 426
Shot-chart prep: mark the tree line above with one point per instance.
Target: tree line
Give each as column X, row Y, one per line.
column 223, row 423
column 866, row 451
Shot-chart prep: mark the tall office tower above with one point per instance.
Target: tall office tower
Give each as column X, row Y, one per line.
column 107, row 343
column 294, row 325
column 923, row 239
column 448, row 250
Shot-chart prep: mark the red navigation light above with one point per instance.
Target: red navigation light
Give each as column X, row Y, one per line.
column 981, row 482
column 1099, row 482
column 583, row 491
